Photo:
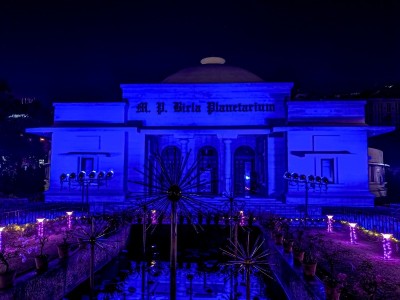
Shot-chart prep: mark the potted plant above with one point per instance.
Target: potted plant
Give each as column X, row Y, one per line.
column 41, row 259
column 278, row 238
column 288, row 245
column 63, row 247
column 7, row 256
column 288, row 240
column 277, row 232
column 298, row 250
column 334, row 286
column 298, row 253
column 7, row 275
column 367, row 281
column 309, row 264
column 331, row 254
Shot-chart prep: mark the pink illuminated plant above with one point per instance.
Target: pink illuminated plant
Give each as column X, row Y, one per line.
column 69, row 219
column 387, row 249
column 330, row 221
column 40, row 227
column 353, row 235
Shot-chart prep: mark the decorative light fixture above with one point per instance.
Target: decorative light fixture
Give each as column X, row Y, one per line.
column 317, row 183
column 101, row 175
column 330, row 220
column 1, row 233
column 241, row 218
column 353, row 235
column 387, row 248
column 287, row 175
column 153, row 217
column 81, row 175
column 83, row 181
column 69, row 217
column 110, row 174
column 92, row 174
column 40, row 226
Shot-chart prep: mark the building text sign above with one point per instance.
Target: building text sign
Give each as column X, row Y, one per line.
column 209, row 107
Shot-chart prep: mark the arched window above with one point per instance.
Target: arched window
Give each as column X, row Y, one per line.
column 245, row 176
column 171, row 155
column 207, row 170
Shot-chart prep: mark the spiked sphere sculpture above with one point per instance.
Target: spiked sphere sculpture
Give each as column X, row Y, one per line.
column 172, row 185
column 248, row 259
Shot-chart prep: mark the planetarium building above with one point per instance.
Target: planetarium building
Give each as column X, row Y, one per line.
column 245, row 134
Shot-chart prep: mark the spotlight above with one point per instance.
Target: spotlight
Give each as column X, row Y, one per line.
column 311, row 178
column 110, row 174
column 318, row 179
column 92, row 174
column 63, row 177
column 101, row 175
column 287, row 175
column 325, row 180
column 303, row 177
column 295, row 176
column 81, row 175
column 72, row 176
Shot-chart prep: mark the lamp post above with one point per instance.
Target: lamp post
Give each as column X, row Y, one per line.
column 40, row 227
column 330, row 220
column 387, row 249
column 69, row 221
column 84, row 181
column 306, row 182
column 1, row 233
column 353, row 235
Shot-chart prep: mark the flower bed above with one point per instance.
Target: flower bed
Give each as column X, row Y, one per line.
column 20, row 245
column 356, row 269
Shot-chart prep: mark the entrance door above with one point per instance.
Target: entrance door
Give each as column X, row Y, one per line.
column 244, row 171
column 208, row 170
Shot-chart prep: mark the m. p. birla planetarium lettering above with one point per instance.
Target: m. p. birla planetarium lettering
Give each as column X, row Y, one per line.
column 210, row 107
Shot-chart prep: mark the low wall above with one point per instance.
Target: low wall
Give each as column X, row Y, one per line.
column 290, row 276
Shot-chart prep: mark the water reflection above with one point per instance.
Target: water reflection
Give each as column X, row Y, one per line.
column 150, row 281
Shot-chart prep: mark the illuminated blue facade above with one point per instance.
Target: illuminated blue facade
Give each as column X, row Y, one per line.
column 246, row 132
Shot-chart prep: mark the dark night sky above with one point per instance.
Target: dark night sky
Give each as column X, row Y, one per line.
column 82, row 50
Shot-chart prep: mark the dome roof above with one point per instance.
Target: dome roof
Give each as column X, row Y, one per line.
column 212, row 70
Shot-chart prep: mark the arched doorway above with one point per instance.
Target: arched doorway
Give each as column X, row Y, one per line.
column 208, row 170
column 171, row 156
column 245, row 179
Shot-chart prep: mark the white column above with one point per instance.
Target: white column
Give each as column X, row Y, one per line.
column 228, row 166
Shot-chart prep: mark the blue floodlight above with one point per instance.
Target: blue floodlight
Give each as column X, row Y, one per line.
column 81, row 175
column 287, row 175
